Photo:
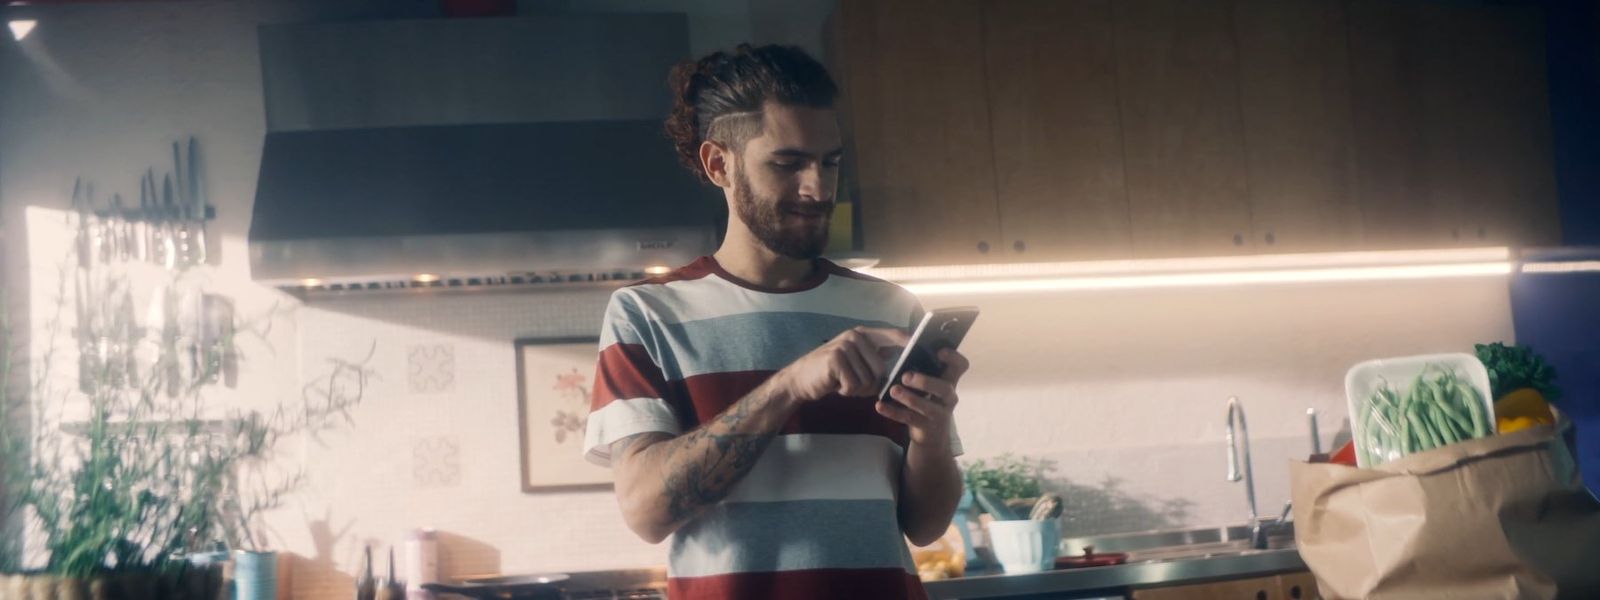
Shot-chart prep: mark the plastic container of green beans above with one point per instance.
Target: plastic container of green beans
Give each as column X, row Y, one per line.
column 1401, row 406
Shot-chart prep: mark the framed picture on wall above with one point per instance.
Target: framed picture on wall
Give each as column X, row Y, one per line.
column 554, row 378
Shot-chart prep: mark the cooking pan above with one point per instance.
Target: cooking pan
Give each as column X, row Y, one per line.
column 517, row 587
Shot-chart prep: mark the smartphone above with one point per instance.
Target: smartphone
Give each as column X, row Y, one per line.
column 940, row 328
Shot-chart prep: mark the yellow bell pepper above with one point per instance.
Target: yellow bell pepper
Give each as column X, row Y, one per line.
column 1524, row 403
column 1510, row 424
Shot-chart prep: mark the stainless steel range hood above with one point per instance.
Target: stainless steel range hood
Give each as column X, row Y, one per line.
column 369, row 208
column 407, row 155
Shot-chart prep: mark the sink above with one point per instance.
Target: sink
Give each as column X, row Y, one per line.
column 1190, row 551
column 1166, row 544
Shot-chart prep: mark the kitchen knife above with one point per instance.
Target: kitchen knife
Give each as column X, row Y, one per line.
column 169, row 245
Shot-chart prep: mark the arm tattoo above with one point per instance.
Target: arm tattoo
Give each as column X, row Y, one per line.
column 705, row 464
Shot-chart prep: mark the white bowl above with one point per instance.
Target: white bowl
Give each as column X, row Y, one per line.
column 1025, row 546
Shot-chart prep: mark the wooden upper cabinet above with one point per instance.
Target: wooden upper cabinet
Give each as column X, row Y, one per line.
column 1493, row 121
column 1452, row 125
column 1052, row 93
column 913, row 75
column 1044, row 130
column 1183, row 143
column 1294, row 95
column 1392, row 183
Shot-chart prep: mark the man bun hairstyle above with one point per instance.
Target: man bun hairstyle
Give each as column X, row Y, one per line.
column 719, row 97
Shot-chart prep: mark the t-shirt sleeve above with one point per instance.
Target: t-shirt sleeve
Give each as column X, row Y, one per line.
column 916, row 317
column 630, row 391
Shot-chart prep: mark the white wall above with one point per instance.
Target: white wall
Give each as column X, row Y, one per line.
column 101, row 91
column 1124, row 390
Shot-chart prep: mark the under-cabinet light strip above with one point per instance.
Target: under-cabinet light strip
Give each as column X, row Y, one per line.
column 1577, row 266
column 1201, row 272
column 1114, row 282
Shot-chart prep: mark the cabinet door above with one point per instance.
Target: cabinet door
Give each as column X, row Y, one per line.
column 1294, row 93
column 1052, row 93
column 1452, row 125
column 1391, row 141
column 1262, row 588
column 1490, row 112
column 912, row 71
column 1298, row 586
column 1182, row 137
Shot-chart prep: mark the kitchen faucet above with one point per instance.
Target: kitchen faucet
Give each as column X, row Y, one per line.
column 1258, row 526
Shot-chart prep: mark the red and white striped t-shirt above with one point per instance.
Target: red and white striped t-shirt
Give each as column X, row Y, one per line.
column 816, row 516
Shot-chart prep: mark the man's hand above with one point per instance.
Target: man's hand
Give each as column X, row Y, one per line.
column 850, row 364
column 927, row 403
column 929, row 478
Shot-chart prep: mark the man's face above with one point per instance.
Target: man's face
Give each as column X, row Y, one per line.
column 785, row 178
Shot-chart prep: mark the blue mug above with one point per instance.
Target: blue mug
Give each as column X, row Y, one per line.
column 255, row 575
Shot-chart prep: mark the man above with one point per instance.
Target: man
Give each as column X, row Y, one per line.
column 765, row 456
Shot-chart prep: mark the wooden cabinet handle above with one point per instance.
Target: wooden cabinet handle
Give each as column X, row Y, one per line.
column 1294, row 592
column 1238, row 239
column 1019, row 246
column 1271, row 239
column 983, row 247
column 1261, row 595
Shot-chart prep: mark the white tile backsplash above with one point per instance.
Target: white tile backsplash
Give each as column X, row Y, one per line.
column 436, row 462
column 431, row 368
column 436, row 440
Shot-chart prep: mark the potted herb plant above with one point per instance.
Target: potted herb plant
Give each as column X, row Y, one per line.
column 126, row 473
column 1016, row 480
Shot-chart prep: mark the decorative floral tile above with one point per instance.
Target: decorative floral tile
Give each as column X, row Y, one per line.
column 436, row 462
column 432, row 368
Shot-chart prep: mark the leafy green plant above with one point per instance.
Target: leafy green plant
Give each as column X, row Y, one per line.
column 1515, row 367
column 131, row 467
column 1007, row 475
column 13, row 449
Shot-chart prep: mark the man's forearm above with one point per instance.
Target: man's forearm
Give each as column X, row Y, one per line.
column 665, row 485
column 929, row 492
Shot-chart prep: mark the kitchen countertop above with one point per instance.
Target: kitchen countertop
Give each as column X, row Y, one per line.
column 1115, row 580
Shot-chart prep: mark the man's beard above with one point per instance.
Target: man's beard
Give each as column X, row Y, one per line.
column 765, row 219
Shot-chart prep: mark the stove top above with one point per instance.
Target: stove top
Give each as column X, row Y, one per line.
column 625, row 584
column 632, row 594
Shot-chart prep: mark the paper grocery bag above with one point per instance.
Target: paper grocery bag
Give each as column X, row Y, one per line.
column 1500, row 517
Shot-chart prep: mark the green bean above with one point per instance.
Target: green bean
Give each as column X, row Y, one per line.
column 1462, row 431
column 1425, row 396
column 1407, row 445
column 1427, row 439
column 1452, row 411
column 1443, row 390
column 1469, row 394
column 1368, row 429
column 1446, row 432
column 1392, row 424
